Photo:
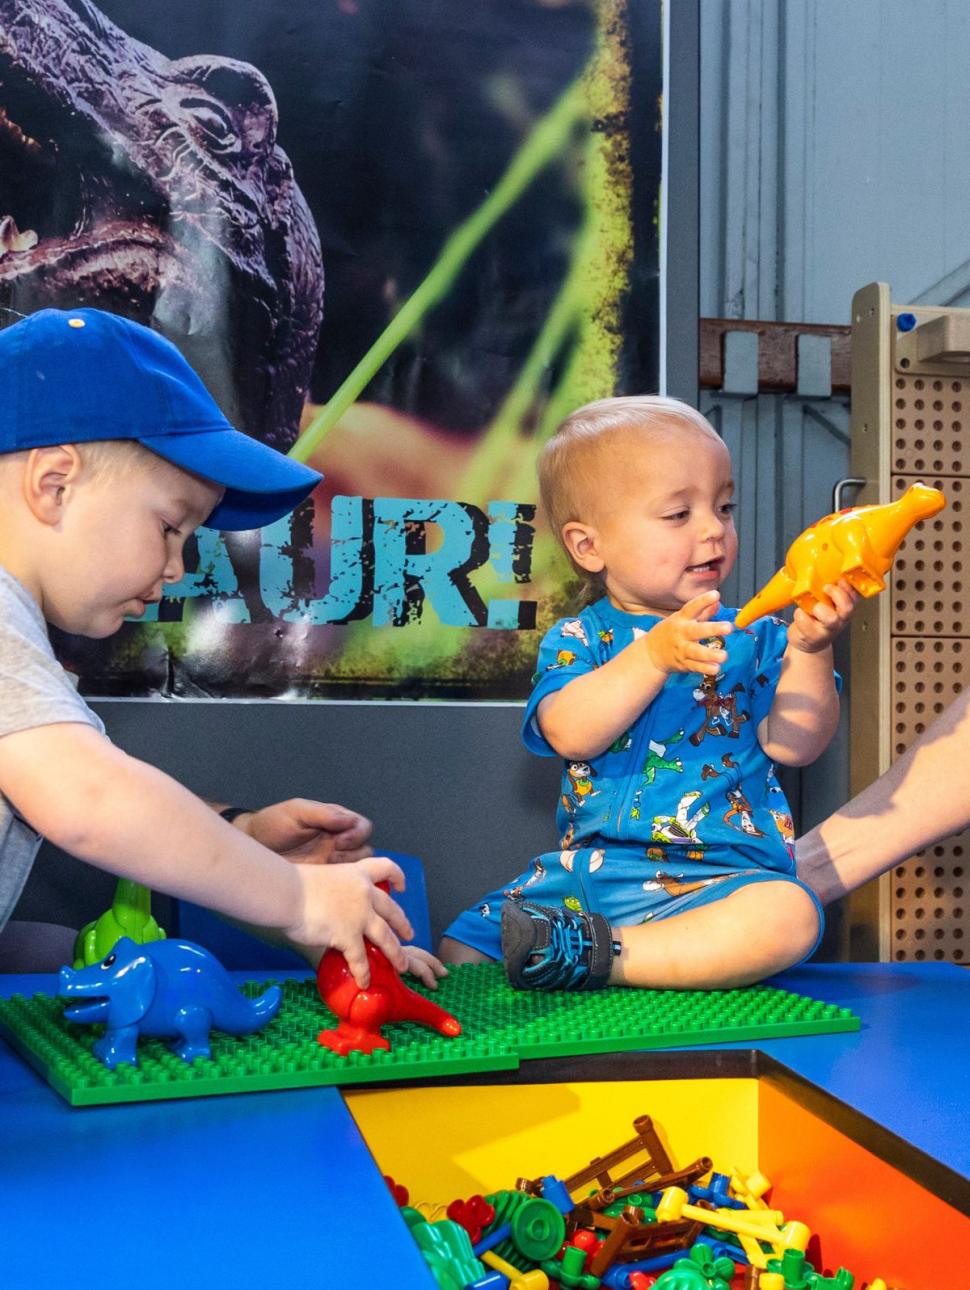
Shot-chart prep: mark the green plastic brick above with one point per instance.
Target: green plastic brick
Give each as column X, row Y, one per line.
column 538, row 1023
column 500, row 1028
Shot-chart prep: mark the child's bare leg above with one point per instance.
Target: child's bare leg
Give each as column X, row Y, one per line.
column 757, row 930
column 451, row 951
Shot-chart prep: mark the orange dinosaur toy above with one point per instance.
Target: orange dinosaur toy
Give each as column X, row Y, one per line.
column 858, row 544
column 361, row 1013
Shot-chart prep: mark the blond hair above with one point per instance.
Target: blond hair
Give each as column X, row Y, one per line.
column 99, row 455
column 565, row 461
column 116, row 455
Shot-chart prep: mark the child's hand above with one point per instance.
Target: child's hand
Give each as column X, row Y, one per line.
column 674, row 645
column 424, row 966
column 342, row 904
column 816, row 631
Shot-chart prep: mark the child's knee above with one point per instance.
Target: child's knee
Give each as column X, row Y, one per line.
column 793, row 919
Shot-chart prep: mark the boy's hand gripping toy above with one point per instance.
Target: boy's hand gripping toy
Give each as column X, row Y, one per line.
column 858, row 545
column 361, row 1013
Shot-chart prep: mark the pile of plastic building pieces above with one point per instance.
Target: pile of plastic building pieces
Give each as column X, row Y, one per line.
column 648, row 1225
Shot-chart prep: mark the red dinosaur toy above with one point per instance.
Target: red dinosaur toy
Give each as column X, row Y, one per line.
column 361, row 1013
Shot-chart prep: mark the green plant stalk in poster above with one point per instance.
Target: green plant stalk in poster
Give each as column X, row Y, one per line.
column 582, row 331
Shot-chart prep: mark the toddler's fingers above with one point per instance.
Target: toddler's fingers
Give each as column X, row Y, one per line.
column 813, row 628
column 699, row 635
column 804, row 622
column 825, row 614
column 386, row 907
column 383, row 869
column 425, row 967
column 423, row 972
column 710, row 634
column 700, row 651
column 435, row 964
column 844, row 597
column 705, row 668
column 380, row 935
column 702, row 606
column 356, row 957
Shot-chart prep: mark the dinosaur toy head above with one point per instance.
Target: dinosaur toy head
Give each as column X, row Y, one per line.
column 155, row 188
column 117, row 991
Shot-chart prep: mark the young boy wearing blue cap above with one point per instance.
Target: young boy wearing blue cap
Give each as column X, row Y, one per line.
column 112, row 452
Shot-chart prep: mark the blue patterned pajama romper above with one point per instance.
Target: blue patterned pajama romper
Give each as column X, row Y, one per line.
column 683, row 809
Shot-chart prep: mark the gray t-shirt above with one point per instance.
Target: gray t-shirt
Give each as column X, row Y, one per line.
column 34, row 691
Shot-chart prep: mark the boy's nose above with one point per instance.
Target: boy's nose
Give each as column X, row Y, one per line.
column 713, row 527
column 174, row 570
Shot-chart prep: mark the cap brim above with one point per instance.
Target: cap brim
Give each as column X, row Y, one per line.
column 262, row 485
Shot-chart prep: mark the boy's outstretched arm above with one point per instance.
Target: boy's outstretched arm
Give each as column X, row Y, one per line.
column 805, row 712
column 94, row 801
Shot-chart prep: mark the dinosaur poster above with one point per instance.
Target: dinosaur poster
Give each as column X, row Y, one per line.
column 399, row 239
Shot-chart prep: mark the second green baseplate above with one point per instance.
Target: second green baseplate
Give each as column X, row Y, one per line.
column 501, row 1027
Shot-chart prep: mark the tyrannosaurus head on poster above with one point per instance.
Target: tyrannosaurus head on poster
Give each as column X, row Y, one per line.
column 155, row 188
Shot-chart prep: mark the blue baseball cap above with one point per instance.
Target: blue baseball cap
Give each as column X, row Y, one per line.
column 74, row 376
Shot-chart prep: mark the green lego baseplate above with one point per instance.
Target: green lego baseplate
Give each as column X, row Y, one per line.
column 501, row 1027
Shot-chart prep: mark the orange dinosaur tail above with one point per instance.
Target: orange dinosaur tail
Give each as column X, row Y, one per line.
column 774, row 595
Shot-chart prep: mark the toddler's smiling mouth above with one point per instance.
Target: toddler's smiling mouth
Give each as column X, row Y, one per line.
column 709, row 566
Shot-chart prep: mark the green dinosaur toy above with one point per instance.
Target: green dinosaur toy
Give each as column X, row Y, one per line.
column 130, row 915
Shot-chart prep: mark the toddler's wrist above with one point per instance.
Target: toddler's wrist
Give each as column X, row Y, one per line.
column 654, row 650
column 812, row 648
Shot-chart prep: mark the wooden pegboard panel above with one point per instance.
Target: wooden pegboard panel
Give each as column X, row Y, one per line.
column 929, row 634
column 927, row 676
column 930, row 426
column 911, row 649
column 930, row 594
column 930, row 903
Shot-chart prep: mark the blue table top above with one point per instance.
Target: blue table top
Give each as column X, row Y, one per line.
column 275, row 1181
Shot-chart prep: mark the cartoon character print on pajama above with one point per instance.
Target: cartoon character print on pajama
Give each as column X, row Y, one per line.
column 680, row 809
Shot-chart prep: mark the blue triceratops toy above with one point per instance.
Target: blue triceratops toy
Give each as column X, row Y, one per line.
column 172, row 989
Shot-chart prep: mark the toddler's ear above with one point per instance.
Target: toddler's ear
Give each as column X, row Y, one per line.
column 48, row 473
column 580, row 541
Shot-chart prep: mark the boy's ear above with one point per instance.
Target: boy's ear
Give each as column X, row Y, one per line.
column 48, row 475
column 580, row 541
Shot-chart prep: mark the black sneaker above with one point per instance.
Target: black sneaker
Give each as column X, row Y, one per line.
column 555, row 949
